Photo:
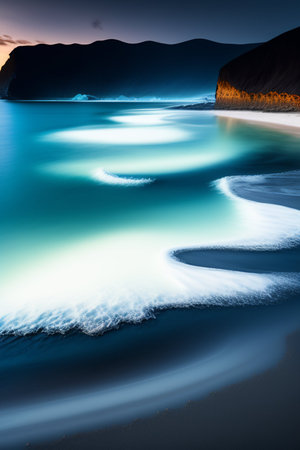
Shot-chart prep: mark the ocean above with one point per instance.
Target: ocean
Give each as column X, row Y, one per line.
column 122, row 286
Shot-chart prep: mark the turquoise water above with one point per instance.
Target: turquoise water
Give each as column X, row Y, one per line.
column 95, row 196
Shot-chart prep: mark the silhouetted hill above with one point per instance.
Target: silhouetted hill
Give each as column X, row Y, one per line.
column 266, row 78
column 111, row 68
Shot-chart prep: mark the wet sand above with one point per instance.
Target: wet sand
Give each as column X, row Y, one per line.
column 260, row 413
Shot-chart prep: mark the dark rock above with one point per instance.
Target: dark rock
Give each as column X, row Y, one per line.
column 265, row 78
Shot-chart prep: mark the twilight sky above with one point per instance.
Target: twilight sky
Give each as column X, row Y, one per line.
column 169, row 21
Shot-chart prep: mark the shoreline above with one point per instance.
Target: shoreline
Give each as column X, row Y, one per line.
column 277, row 190
column 269, row 254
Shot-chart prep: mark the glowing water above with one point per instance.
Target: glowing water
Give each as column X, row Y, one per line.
column 122, row 136
column 84, row 250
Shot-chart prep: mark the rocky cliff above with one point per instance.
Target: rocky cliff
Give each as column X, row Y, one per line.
column 266, row 78
column 112, row 68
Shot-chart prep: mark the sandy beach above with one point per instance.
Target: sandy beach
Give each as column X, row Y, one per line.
column 262, row 412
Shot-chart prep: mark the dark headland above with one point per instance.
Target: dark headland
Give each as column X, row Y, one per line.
column 266, row 78
column 111, row 68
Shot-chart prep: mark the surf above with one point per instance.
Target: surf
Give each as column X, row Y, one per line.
column 126, row 277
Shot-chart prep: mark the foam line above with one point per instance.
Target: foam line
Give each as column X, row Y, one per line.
column 109, row 178
column 269, row 228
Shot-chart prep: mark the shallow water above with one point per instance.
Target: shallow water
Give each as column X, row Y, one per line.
column 94, row 199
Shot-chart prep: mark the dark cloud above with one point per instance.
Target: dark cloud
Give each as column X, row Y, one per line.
column 23, row 42
column 8, row 40
column 97, row 24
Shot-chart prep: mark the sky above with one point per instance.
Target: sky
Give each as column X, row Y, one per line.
column 24, row 22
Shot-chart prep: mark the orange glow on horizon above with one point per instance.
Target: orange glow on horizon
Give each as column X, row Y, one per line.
column 4, row 54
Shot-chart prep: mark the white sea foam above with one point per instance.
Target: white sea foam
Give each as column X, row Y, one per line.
column 269, row 225
column 125, row 276
column 109, row 178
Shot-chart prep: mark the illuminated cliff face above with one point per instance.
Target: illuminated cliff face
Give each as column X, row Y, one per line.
column 229, row 97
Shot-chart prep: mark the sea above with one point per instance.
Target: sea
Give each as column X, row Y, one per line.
column 137, row 270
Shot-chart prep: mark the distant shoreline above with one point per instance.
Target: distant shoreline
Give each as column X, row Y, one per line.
column 285, row 121
column 288, row 122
